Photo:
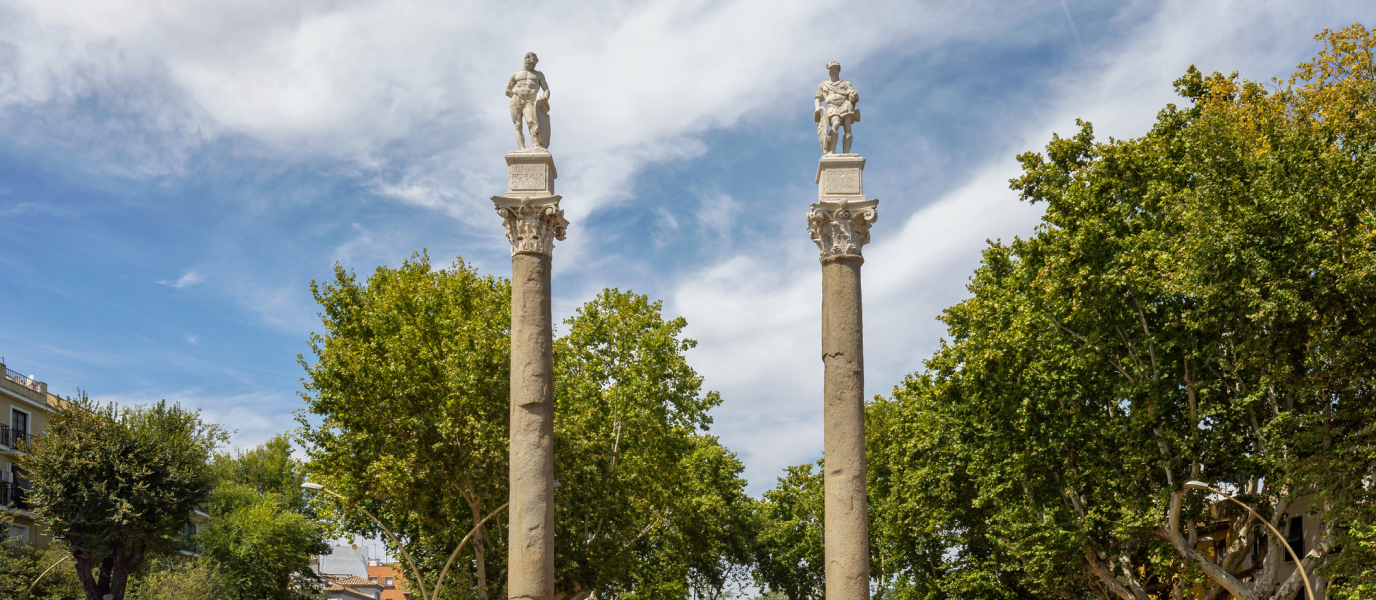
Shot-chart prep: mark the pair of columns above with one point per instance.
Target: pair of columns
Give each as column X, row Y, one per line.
column 838, row 223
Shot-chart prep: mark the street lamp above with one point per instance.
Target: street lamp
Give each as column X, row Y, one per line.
column 1200, row 485
column 414, row 571
column 320, row 488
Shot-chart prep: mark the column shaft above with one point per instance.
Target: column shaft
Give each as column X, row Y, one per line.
column 531, row 561
column 847, row 524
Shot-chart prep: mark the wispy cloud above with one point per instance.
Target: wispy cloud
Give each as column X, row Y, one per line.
column 190, row 278
column 717, row 212
column 757, row 316
column 402, row 100
column 250, row 418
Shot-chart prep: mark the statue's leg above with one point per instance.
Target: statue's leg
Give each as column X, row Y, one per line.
column 834, row 135
column 516, row 120
column 845, row 144
column 533, row 121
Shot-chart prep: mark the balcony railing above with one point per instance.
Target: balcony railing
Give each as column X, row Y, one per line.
column 13, row 496
column 13, row 438
column 28, row 382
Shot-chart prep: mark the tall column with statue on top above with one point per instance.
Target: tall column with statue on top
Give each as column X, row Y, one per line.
column 839, row 223
column 533, row 219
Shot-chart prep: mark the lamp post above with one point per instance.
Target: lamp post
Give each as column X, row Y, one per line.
column 1309, row 588
column 414, row 571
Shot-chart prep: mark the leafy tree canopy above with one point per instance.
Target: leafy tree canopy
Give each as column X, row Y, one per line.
column 407, row 416
column 1196, row 304
column 260, row 539
column 119, row 484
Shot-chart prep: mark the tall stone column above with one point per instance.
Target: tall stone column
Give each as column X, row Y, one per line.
column 533, row 221
column 839, row 223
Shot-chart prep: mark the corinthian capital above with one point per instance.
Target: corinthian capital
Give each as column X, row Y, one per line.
column 532, row 224
column 841, row 227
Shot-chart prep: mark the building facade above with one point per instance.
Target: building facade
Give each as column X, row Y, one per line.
column 24, row 407
column 389, row 576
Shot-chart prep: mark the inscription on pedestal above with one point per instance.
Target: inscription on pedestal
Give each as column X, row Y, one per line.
column 841, row 181
column 528, row 177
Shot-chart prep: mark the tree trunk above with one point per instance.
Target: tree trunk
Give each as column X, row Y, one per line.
column 82, row 558
column 1186, row 551
column 124, row 564
column 107, row 566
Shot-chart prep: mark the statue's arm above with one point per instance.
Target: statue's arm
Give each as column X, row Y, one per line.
column 818, row 105
column 544, row 86
column 510, row 83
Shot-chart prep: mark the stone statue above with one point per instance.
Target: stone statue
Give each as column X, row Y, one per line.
column 522, row 88
column 835, row 110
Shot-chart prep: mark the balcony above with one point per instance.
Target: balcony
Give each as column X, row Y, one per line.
column 13, row 438
column 13, row 496
column 28, row 382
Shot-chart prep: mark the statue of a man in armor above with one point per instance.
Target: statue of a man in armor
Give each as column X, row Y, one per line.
column 835, row 110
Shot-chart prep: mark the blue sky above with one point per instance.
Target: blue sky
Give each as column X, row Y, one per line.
column 174, row 174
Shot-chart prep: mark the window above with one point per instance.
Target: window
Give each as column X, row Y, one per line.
column 1295, row 537
column 19, row 489
column 19, row 426
column 387, row 581
column 372, row 579
column 17, row 535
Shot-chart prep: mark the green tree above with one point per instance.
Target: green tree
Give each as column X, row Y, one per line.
column 651, row 505
column 179, row 578
column 22, row 566
column 259, row 537
column 410, row 392
column 1196, row 304
column 788, row 540
column 119, row 484
column 266, row 469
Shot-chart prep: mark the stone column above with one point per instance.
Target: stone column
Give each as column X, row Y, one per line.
column 533, row 222
column 839, row 223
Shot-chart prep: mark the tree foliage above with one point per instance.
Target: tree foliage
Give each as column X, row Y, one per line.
column 651, row 506
column 22, row 566
column 119, row 484
column 410, row 388
column 260, row 537
column 1196, row 304
column 789, row 558
column 179, row 578
column 407, row 415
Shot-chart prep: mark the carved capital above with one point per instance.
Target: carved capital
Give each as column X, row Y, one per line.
column 532, row 224
column 841, row 227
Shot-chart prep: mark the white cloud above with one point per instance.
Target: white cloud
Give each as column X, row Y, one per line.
column 411, row 89
column 757, row 317
column 187, row 279
column 407, row 93
column 717, row 212
column 250, row 418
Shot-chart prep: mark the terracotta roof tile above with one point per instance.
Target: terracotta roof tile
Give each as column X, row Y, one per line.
column 355, row 581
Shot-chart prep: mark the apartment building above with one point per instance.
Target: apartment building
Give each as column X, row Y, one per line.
column 388, row 575
column 1302, row 531
column 24, row 407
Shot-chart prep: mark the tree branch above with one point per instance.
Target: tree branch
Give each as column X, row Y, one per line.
column 1151, row 346
column 1106, row 576
column 1210, row 568
column 1086, row 342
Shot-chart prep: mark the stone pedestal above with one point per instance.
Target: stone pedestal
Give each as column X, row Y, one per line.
column 533, row 221
column 839, row 224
